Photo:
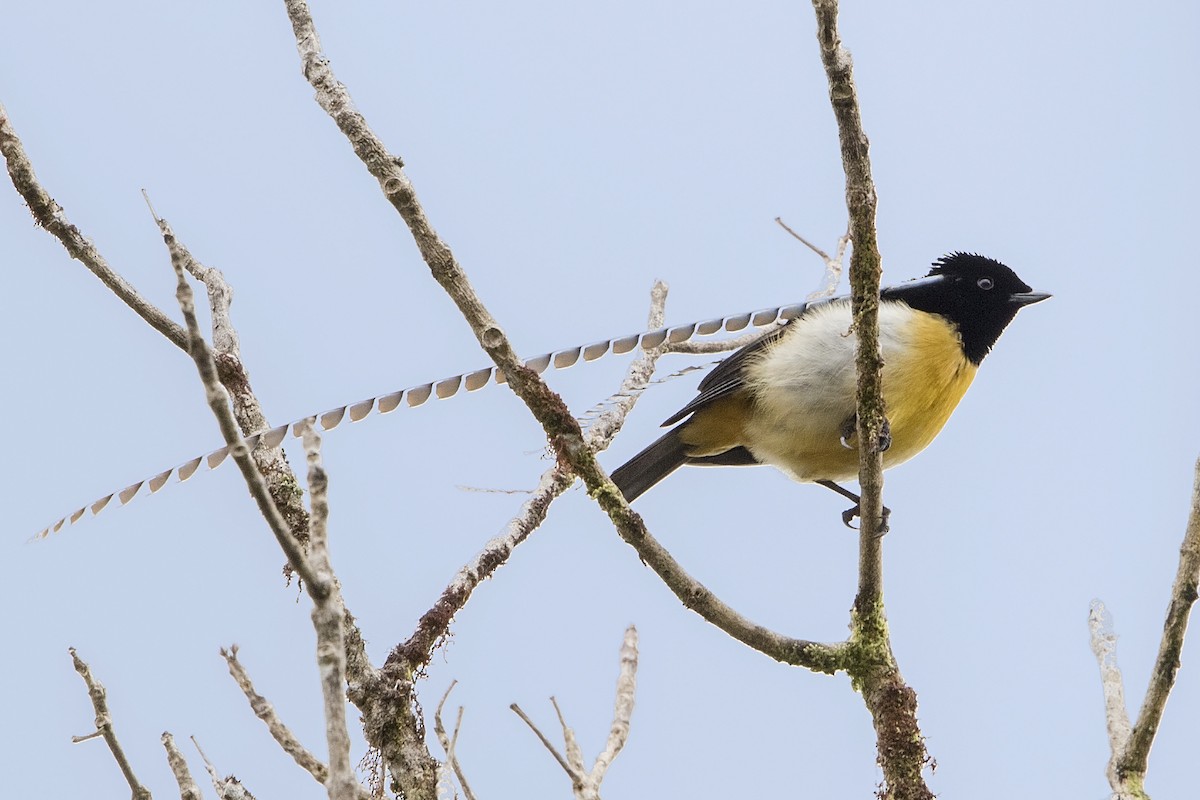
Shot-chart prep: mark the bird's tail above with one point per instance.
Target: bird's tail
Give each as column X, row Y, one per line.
column 651, row 465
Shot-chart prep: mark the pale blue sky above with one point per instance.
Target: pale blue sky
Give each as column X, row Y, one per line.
column 570, row 156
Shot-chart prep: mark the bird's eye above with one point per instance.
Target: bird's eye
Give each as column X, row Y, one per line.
column 984, row 283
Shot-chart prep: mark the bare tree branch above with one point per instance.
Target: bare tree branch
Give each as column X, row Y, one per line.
column 892, row 703
column 188, row 789
column 1116, row 716
column 623, row 707
column 575, row 774
column 449, row 744
column 327, row 617
column 263, row 709
column 435, row 623
column 833, row 264
column 229, row 787
column 104, row 726
column 1166, row 665
column 547, row 407
column 584, row 784
column 1131, row 746
column 692, row 348
column 218, row 401
column 50, row 215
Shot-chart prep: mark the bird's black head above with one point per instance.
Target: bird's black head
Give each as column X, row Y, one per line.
column 979, row 295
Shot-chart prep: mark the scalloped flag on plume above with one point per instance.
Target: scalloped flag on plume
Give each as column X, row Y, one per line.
column 447, row 387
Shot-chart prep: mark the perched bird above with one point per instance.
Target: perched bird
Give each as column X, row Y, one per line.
column 787, row 399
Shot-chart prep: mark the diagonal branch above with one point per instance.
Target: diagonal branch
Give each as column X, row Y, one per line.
column 435, row 623
column 218, row 401
column 1131, row 746
column 1166, row 665
column 104, row 726
column 585, row 785
column 561, row 427
column 51, row 216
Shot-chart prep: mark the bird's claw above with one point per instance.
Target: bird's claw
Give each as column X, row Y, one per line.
column 855, row 511
column 850, row 427
column 885, row 438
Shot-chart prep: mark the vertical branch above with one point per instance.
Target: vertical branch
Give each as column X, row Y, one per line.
column 327, row 617
column 865, row 272
column 892, row 703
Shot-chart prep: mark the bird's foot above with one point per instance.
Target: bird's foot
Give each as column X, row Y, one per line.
column 856, row 511
column 850, row 513
column 850, row 428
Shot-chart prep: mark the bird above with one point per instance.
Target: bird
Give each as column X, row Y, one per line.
column 787, row 399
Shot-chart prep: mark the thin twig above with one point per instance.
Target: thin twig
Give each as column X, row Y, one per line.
column 229, row 787
column 570, row 743
column 697, row 348
column 50, row 215
column 188, row 788
column 823, row 255
column 623, row 706
column 263, row 709
column 435, row 623
column 1116, row 716
column 449, row 744
column 104, row 725
column 585, row 785
column 1130, row 759
column 833, row 264
column 575, row 776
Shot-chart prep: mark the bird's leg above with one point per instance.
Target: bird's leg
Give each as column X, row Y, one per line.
column 856, row 510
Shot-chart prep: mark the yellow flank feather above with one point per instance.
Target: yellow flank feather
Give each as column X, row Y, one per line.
column 717, row 428
column 922, row 389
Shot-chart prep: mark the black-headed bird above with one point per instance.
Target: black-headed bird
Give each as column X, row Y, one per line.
column 787, row 399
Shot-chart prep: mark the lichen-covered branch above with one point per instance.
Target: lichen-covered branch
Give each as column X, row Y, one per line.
column 218, row 401
column 327, row 617
column 435, row 623
column 562, row 429
column 188, row 788
column 227, row 788
column 280, row 732
column 391, row 722
column 871, row 663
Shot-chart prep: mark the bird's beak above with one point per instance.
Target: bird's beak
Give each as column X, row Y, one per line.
column 1027, row 298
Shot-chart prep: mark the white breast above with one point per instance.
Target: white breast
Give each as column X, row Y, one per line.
column 804, row 383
